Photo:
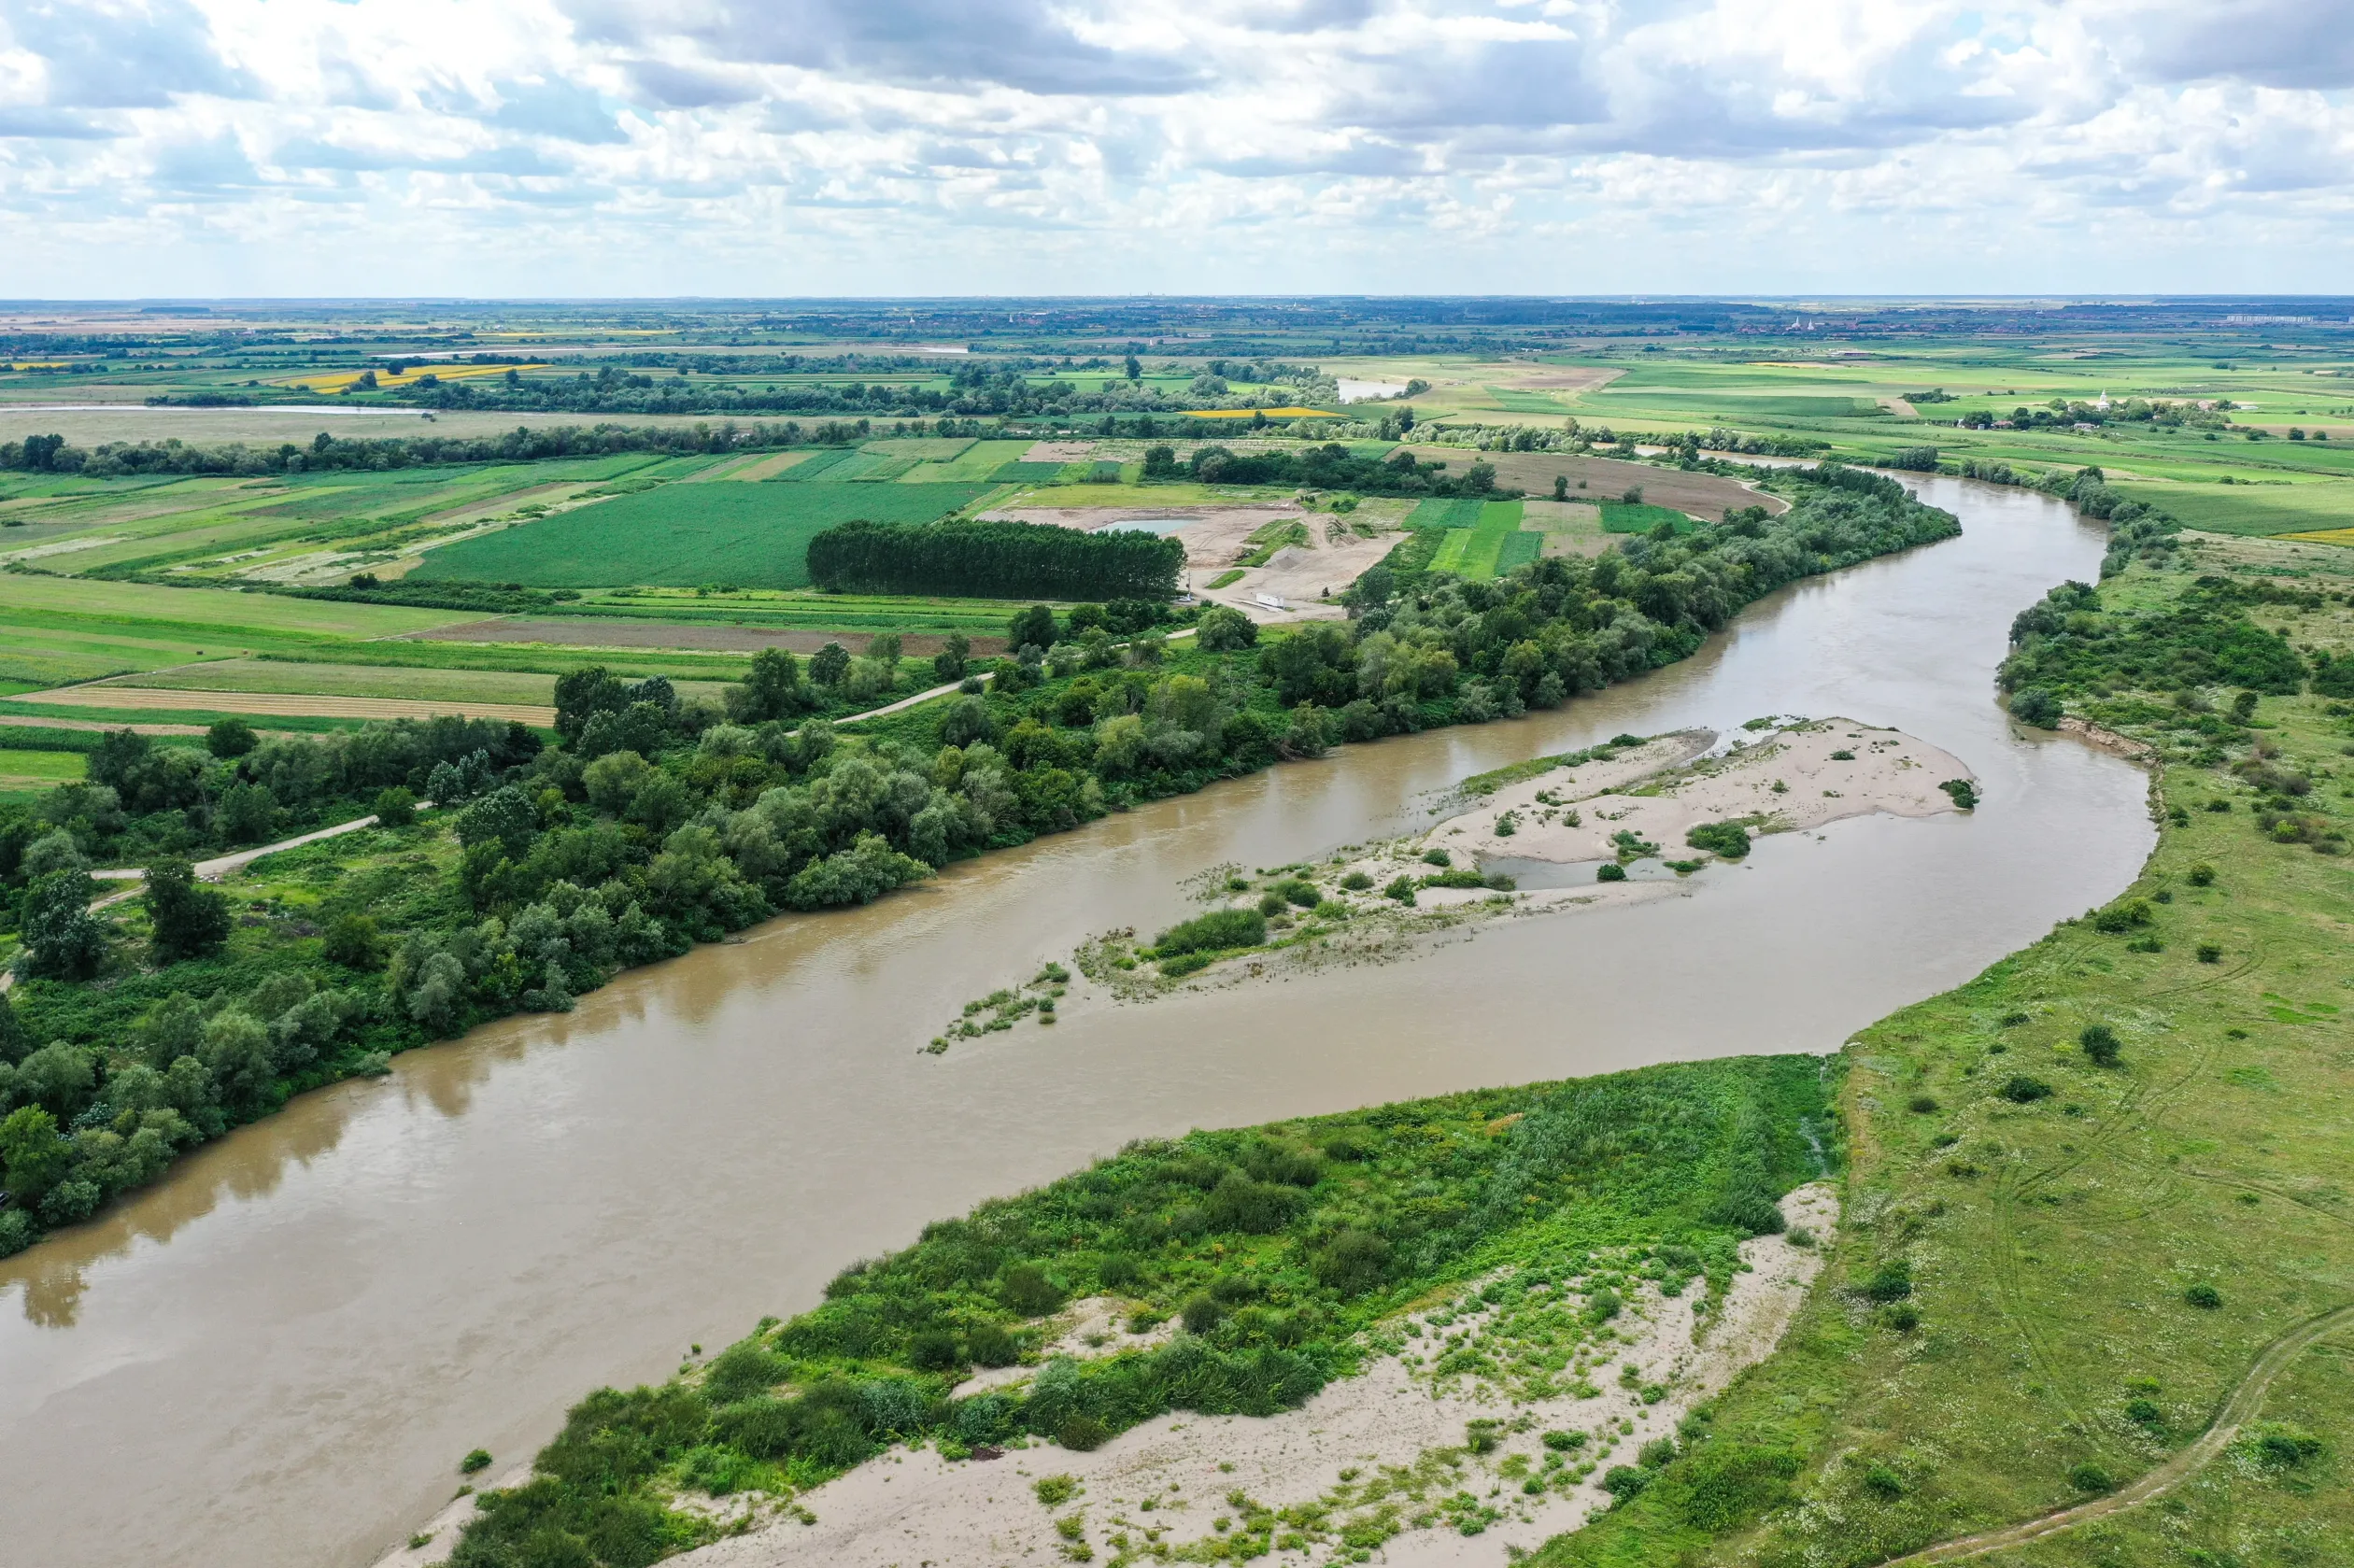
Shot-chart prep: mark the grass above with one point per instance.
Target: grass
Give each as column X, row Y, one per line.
column 753, row 535
column 1620, row 517
column 2253, row 509
column 1462, row 513
column 22, row 769
column 2052, row 1246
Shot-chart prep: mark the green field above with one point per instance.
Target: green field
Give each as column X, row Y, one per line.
column 38, row 769
column 2253, row 509
column 1620, row 517
column 1477, row 552
column 1737, row 410
column 752, row 535
column 1513, row 401
column 817, row 465
column 1450, row 514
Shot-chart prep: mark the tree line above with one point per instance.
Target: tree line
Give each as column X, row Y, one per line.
column 995, row 559
column 51, row 454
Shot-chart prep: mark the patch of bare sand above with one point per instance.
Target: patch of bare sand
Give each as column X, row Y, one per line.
column 1087, row 1329
column 1394, row 1435
column 1779, row 780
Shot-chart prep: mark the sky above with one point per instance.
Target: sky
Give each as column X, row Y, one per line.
column 668, row 147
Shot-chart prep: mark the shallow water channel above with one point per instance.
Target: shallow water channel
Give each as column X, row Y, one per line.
column 277, row 1355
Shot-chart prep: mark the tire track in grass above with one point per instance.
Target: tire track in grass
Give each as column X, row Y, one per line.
column 2246, row 1398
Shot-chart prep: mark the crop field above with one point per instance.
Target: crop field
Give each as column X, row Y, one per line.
column 1619, row 517
column 974, row 465
column 2253, row 509
column 22, row 772
column 1445, row 513
column 1477, row 552
column 755, row 536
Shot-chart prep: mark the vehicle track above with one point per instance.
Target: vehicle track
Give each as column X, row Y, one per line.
column 2246, row 1398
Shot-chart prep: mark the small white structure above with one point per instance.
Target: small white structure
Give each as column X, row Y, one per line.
column 1270, row 601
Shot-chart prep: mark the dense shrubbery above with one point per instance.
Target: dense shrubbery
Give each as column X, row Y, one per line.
column 324, row 452
column 1002, row 561
column 1273, row 1246
column 2066, row 646
column 1329, row 467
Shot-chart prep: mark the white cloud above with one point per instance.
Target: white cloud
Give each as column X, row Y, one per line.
column 969, row 146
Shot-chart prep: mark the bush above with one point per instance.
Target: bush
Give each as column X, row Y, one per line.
column 2088, row 1477
column 2038, row 706
column 1352, row 1262
column 2100, row 1044
column 395, row 807
column 1964, row 793
column 1223, row 629
column 1357, row 881
column 1401, row 889
column 1028, row 1290
column 2210, row 953
column 1881, row 1481
column 1214, row 932
column 1921, row 1105
column 2118, row 919
column 1729, row 840
column 1891, row 1281
column 353, row 941
column 1625, row 1482
column 2201, row 874
column 2020, row 1089
column 1609, row 870
column 990, row 1344
column 2206, row 1297
column 475, row 1462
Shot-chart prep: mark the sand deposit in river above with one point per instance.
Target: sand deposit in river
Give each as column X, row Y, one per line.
column 1395, row 1442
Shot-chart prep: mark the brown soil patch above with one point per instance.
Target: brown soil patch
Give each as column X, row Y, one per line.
column 1702, row 495
column 586, row 633
column 286, row 704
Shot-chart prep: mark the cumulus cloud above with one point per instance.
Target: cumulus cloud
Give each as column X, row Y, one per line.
column 929, row 146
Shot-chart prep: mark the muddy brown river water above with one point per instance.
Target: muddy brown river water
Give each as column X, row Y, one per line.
column 276, row 1356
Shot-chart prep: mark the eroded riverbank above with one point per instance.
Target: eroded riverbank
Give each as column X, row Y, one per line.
column 278, row 1356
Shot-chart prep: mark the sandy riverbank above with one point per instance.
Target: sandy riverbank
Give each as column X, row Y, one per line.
column 1392, row 1440
column 1782, row 779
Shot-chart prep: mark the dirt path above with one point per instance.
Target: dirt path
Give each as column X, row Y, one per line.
column 2237, row 1411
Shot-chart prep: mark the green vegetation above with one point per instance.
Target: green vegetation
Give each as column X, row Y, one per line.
column 661, row 821
column 1276, row 1247
column 757, row 535
column 1636, row 517
column 2090, row 1185
column 1013, row 560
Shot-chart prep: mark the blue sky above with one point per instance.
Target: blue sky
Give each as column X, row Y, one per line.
column 955, row 147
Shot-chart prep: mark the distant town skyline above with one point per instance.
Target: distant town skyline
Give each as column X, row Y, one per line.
column 669, row 148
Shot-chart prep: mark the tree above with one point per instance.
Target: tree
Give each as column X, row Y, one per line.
column 188, row 920
column 581, row 695
column 395, row 807
column 1223, row 629
column 505, row 816
column 247, row 813
column 2101, row 1045
column 955, row 652
column 62, row 940
column 2038, row 706
column 33, row 1157
column 1033, row 628
column 772, row 688
column 14, row 1041
column 231, row 737
column 1133, row 368
column 830, row 664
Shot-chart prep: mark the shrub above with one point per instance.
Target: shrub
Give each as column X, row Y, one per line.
column 1964, row 793
column 1201, row 1313
column 1352, row 1262
column 1401, row 889
column 1625, row 1482
column 2284, row 1447
column 2210, row 953
column 1025, row 1289
column 989, row 1344
column 475, row 1462
column 1656, row 1453
column 1891, row 1281
column 2038, row 706
column 2118, row 919
column 1901, row 1315
column 2144, row 1411
column 1437, row 857
column 1357, row 881
column 1881, row 1481
column 1921, row 1105
column 1562, row 1442
column 2100, row 1044
column 1213, row 932
column 353, row 941
column 1223, row 629
column 2088, row 1477
column 395, row 807
column 1729, row 840
column 2201, row 874
column 1609, row 870
column 2020, row 1089
column 2206, row 1297
column 1055, row 1491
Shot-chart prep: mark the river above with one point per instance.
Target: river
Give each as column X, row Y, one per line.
column 276, row 1356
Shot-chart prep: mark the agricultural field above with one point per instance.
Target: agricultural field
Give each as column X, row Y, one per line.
column 752, row 535
column 2261, row 508
column 1492, row 545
